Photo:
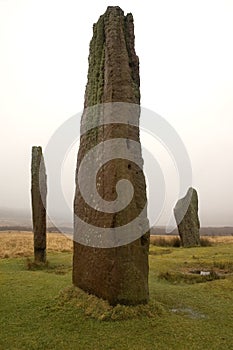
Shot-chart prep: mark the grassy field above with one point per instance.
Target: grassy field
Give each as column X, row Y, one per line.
column 20, row 244
column 39, row 309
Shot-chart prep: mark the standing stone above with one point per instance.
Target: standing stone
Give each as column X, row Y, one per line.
column 186, row 215
column 38, row 194
column 118, row 274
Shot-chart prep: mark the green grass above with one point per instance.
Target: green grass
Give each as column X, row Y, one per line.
column 35, row 312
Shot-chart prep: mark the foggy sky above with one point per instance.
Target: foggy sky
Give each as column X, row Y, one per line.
column 186, row 68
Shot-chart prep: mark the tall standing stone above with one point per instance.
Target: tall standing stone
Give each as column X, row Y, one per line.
column 38, row 196
column 118, row 274
column 186, row 215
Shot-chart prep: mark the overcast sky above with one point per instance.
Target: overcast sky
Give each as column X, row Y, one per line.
column 186, row 67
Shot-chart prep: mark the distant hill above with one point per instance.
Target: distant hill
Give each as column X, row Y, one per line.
column 20, row 220
column 62, row 229
column 204, row 231
column 9, row 216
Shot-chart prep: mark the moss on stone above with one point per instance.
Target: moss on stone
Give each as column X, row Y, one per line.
column 96, row 65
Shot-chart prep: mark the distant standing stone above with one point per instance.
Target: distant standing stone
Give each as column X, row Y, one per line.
column 38, row 194
column 186, row 215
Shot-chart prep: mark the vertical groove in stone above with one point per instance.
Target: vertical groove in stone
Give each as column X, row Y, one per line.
column 38, row 198
column 118, row 274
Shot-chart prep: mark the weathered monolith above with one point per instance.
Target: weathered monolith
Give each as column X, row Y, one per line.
column 111, row 270
column 38, row 197
column 186, row 215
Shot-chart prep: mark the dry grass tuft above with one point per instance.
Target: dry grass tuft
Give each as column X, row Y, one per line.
column 174, row 241
column 219, row 239
column 205, row 242
column 165, row 241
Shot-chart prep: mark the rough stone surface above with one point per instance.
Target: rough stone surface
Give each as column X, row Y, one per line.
column 38, row 196
column 186, row 215
column 118, row 274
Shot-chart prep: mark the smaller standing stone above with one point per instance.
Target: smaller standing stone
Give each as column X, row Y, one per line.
column 38, row 195
column 186, row 215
